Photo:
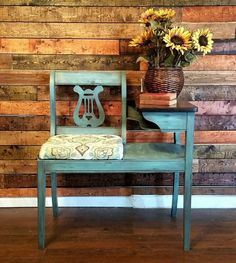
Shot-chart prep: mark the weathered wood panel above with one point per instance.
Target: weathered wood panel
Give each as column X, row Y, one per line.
column 59, row 46
column 220, row 30
column 5, row 61
column 24, row 123
column 193, row 78
column 210, row 14
column 18, row 92
column 43, row 108
column 214, row 62
column 215, row 107
column 215, row 151
column 208, row 93
column 111, row 180
column 224, row 47
column 74, row 14
column 23, row 138
column 24, row 77
column 220, row 47
column 32, row 108
column 147, row 3
column 217, row 165
column 74, row 62
column 18, row 167
column 117, row 191
column 17, row 152
column 74, row 30
column 111, row 31
column 215, row 137
column 215, row 122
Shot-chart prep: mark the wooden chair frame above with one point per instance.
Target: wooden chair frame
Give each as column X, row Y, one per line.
column 138, row 158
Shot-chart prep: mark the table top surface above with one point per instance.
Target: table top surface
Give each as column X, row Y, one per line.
column 181, row 106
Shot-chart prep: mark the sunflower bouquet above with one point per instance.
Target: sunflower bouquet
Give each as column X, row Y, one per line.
column 165, row 45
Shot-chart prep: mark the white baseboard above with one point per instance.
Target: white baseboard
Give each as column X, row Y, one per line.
column 135, row 201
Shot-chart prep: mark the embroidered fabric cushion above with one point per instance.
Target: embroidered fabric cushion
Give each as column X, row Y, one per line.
column 86, row 147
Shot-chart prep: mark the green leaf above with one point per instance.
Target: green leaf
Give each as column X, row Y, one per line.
column 169, row 61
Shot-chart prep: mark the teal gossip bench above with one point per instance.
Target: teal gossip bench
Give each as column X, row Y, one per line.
column 89, row 147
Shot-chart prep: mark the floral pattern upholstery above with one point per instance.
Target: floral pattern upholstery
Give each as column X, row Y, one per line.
column 87, row 147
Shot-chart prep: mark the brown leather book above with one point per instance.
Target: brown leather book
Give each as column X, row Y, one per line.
column 153, row 103
column 157, row 96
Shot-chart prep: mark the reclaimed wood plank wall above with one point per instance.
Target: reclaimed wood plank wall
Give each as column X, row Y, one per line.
column 38, row 36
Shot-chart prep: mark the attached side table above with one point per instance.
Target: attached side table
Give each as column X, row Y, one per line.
column 178, row 118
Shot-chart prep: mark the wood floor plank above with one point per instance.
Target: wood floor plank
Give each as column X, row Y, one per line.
column 96, row 234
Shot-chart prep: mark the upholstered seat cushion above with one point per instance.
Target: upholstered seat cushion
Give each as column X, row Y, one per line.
column 85, row 147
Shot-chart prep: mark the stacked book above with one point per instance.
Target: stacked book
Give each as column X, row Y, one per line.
column 152, row 100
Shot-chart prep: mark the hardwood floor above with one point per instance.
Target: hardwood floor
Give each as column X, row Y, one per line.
column 102, row 235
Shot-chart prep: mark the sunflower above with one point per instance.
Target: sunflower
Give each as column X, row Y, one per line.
column 143, row 40
column 146, row 16
column 164, row 14
column 178, row 38
column 202, row 40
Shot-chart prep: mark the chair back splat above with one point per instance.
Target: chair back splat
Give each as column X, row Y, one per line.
column 89, row 114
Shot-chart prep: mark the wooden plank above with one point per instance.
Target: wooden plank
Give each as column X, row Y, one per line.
column 42, row 123
column 215, row 151
column 1, row 181
column 91, row 30
column 59, row 46
column 208, row 93
column 5, row 61
column 214, row 137
column 42, row 107
column 220, row 47
column 23, row 137
column 18, row 167
column 72, row 30
column 23, row 77
column 224, row 47
column 25, row 123
column 32, row 108
column 215, row 107
column 220, row 30
column 16, row 152
column 217, row 165
column 214, row 62
column 117, row 191
column 193, row 78
column 73, row 14
column 117, row 180
column 209, row 14
column 67, row 93
column 81, row 3
column 147, row 3
column 74, row 62
column 200, row 137
column 18, row 92
column 215, row 122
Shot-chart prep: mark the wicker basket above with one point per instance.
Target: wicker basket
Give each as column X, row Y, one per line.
column 164, row 80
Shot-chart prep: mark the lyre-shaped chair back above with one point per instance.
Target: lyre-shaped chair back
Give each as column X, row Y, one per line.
column 88, row 114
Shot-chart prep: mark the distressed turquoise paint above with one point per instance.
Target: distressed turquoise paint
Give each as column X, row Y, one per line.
column 138, row 157
column 89, row 100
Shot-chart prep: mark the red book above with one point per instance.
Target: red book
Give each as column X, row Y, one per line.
column 157, row 96
column 157, row 102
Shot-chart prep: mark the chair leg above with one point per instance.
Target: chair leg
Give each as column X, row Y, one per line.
column 54, row 194
column 41, row 204
column 175, row 194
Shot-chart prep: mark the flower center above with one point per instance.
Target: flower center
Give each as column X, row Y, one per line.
column 203, row 41
column 177, row 40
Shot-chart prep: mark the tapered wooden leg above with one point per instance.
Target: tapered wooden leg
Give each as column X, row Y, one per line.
column 41, row 204
column 175, row 194
column 54, row 194
column 188, row 180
